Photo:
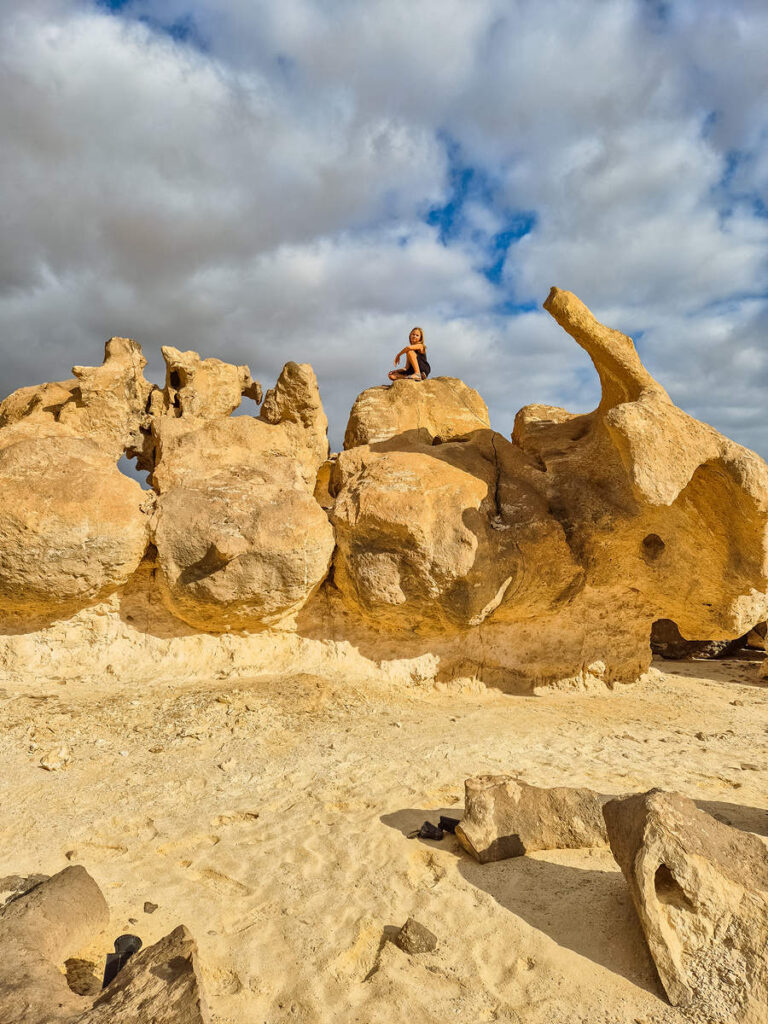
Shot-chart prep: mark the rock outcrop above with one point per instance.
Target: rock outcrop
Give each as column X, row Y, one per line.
column 242, row 543
column 432, row 546
column 106, row 403
column 700, row 889
column 437, row 408
column 505, row 817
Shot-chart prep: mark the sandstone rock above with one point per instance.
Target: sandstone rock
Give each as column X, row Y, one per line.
column 72, row 528
column 504, row 817
column 439, row 538
column 202, row 388
column 106, row 404
column 242, row 543
column 439, row 407
column 39, row 931
column 159, row 984
column 415, row 937
column 240, row 551
column 700, row 889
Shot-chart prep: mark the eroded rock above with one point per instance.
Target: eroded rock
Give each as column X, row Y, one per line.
column 72, row 529
column 242, row 543
column 106, row 404
column 160, row 984
column 504, row 817
column 700, row 889
column 39, row 931
column 437, row 408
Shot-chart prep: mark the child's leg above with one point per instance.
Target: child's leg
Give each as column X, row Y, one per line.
column 397, row 374
column 413, row 364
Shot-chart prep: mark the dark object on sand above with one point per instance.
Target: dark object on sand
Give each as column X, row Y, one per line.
column 448, row 824
column 427, row 831
column 125, row 947
column 414, row 937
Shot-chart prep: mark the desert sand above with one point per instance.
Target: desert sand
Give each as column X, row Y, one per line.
column 270, row 817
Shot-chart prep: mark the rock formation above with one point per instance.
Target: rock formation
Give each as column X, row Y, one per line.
column 504, row 817
column 432, row 547
column 700, row 889
column 46, row 925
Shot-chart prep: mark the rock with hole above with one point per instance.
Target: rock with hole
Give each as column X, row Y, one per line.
column 700, row 889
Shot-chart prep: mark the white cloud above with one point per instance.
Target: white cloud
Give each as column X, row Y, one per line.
column 263, row 196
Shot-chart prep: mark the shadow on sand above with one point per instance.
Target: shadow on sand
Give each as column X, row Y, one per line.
column 584, row 909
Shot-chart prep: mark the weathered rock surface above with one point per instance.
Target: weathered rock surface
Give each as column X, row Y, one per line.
column 72, row 529
column 159, row 984
column 106, row 403
column 701, row 892
column 39, row 931
column 504, row 817
column 439, row 538
column 540, row 560
column 241, row 541
column 439, row 407
column 45, row 926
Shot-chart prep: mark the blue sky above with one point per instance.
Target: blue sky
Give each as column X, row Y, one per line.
column 307, row 179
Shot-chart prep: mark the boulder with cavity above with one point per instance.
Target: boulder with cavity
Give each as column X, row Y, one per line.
column 700, row 889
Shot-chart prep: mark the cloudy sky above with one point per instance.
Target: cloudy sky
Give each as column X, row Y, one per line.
column 264, row 180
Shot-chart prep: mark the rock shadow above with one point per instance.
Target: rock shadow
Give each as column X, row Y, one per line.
column 586, row 910
column 747, row 819
column 582, row 909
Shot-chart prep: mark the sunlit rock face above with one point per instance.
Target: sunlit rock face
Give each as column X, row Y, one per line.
column 432, row 546
column 590, row 526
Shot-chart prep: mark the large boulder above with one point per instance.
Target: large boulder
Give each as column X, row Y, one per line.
column 242, row 543
column 505, row 817
column 437, row 538
column 72, row 528
column 700, row 889
column 439, row 407
column 39, row 930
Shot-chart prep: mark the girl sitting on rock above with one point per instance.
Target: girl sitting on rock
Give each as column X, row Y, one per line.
column 415, row 352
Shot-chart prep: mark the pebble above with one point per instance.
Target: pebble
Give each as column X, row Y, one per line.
column 414, row 937
column 54, row 760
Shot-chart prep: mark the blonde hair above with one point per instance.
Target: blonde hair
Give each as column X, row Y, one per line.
column 421, row 339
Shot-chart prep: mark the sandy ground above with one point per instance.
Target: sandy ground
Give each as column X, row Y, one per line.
column 270, row 818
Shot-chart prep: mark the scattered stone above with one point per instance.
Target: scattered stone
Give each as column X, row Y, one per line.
column 505, row 817
column 700, row 889
column 150, row 908
column 414, row 938
column 55, row 760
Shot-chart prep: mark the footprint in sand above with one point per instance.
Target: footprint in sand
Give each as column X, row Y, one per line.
column 235, row 818
column 189, row 844
column 91, row 851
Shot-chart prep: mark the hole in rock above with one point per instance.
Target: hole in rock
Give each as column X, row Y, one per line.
column 128, row 468
column 175, row 380
column 653, row 546
column 669, row 891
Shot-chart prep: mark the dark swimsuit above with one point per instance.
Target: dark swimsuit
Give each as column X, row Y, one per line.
column 424, row 366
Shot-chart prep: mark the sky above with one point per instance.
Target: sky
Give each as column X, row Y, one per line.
column 265, row 180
